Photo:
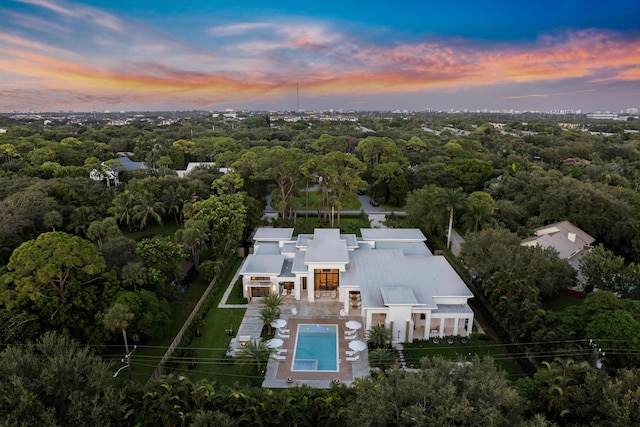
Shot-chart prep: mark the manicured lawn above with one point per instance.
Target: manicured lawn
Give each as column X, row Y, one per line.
column 209, row 350
column 235, row 297
column 481, row 347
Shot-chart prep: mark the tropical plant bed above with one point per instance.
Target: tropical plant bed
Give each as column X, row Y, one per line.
column 450, row 340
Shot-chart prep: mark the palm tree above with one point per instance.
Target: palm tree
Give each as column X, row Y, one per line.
column 451, row 199
column 382, row 358
column 134, row 274
column 273, row 301
column 176, row 200
column 194, row 236
column 147, row 208
column 256, row 351
column 476, row 216
column 378, row 336
column 122, row 208
column 268, row 315
column 118, row 317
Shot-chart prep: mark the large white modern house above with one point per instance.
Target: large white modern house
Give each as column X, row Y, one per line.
column 388, row 277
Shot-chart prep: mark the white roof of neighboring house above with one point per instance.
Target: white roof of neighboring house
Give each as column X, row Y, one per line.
column 571, row 242
column 563, row 236
column 204, row 165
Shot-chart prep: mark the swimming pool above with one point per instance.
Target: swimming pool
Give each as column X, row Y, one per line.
column 316, row 348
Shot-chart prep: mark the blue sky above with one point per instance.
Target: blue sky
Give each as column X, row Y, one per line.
column 156, row 55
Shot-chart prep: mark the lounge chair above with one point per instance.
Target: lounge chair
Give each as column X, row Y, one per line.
column 281, row 350
column 351, row 332
column 277, row 357
column 284, row 331
column 283, row 336
column 352, row 358
column 350, row 337
column 351, row 352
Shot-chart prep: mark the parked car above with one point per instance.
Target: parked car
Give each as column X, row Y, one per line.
column 374, row 202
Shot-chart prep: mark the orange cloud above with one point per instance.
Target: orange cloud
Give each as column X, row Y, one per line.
column 265, row 59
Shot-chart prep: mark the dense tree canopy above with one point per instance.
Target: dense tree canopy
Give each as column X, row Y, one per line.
column 57, row 382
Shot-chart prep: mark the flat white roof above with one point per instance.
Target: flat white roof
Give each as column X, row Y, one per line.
column 392, row 234
column 398, row 295
column 262, row 265
column 273, row 234
column 327, row 247
column 407, row 248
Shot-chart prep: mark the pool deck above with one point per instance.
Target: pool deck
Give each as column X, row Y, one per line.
column 278, row 371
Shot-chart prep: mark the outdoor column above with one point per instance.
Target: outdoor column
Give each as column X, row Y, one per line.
column 311, row 285
column 427, row 325
column 441, row 331
column 455, row 325
column 470, row 326
column 296, row 288
column 369, row 320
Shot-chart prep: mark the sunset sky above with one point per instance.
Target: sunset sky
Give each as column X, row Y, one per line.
column 352, row 55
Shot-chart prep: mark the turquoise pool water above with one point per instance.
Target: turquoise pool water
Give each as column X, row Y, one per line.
column 316, row 348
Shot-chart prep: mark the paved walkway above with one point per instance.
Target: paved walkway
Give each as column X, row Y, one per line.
column 227, row 292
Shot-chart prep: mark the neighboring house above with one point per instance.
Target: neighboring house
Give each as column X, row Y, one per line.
column 205, row 165
column 110, row 177
column 388, row 276
column 571, row 242
column 110, row 174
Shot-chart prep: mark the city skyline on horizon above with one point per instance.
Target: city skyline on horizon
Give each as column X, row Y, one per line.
column 283, row 56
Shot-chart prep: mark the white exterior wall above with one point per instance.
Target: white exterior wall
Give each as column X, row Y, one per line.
column 399, row 315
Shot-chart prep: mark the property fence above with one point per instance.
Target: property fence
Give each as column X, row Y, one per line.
column 196, row 309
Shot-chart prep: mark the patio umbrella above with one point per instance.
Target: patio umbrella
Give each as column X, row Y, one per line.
column 357, row 345
column 274, row 343
column 279, row 323
column 353, row 324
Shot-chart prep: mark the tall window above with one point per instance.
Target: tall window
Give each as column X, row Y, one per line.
column 326, row 279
